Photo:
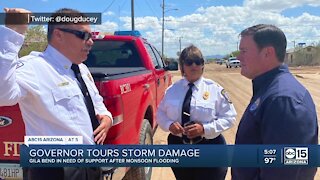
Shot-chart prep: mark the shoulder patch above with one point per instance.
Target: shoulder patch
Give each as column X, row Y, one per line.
column 255, row 105
column 225, row 95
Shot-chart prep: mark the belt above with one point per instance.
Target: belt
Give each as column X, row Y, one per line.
column 217, row 140
column 195, row 140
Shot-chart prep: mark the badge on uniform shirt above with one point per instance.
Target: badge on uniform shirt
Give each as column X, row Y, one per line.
column 255, row 105
column 206, row 95
column 225, row 95
column 90, row 77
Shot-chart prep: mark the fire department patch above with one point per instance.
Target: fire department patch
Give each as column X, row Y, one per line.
column 255, row 105
column 225, row 95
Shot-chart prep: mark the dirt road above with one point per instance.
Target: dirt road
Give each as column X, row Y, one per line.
column 240, row 92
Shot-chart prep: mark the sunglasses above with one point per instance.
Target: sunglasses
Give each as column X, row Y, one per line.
column 189, row 62
column 80, row 34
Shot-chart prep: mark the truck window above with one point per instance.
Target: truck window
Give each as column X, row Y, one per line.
column 153, row 56
column 159, row 59
column 113, row 54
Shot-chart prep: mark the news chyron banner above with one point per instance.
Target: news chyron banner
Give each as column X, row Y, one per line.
column 57, row 155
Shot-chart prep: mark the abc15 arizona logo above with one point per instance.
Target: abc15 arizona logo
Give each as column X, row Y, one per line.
column 296, row 156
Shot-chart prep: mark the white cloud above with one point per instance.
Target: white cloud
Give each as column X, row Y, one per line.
column 215, row 29
column 305, row 28
column 106, row 27
column 141, row 23
column 276, row 5
column 108, row 13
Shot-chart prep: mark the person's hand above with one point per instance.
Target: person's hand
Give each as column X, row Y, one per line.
column 17, row 19
column 101, row 132
column 176, row 128
column 193, row 130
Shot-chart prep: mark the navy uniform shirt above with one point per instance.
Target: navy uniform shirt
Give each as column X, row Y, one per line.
column 281, row 111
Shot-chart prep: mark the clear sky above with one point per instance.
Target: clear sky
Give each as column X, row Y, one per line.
column 212, row 25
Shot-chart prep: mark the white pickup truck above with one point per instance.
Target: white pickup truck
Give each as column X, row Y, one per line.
column 233, row 62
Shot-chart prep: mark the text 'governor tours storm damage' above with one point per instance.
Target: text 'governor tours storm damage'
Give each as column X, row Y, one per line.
column 131, row 77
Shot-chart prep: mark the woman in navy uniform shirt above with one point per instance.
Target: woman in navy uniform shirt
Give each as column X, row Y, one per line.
column 195, row 110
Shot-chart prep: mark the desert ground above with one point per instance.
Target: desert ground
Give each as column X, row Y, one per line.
column 240, row 92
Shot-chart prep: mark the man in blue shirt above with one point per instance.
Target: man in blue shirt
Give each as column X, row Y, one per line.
column 281, row 110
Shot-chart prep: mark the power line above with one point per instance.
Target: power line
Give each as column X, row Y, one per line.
column 152, row 10
column 124, row 3
column 108, row 6
column 119, row 9
column 119, row 12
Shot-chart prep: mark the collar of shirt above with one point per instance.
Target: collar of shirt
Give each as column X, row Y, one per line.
column 265, row 79
column 58, row 59
column 197, row 83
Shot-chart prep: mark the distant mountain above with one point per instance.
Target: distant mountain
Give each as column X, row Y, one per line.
column 217, row 56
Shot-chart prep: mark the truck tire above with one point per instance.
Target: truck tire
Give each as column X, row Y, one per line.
column 142, row 173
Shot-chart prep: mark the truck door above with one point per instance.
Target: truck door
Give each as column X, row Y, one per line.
column 12, row 132
column 160, row 73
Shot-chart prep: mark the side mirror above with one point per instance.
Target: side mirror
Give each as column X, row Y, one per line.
column 172, row 66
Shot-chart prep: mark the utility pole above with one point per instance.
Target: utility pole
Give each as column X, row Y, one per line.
column 162, row 38
column 132, row 15
column 294, row 44
column 119, row 18
column 180, row 43
column 237, row 45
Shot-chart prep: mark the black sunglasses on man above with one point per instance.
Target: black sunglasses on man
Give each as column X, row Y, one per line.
column 80, row 34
